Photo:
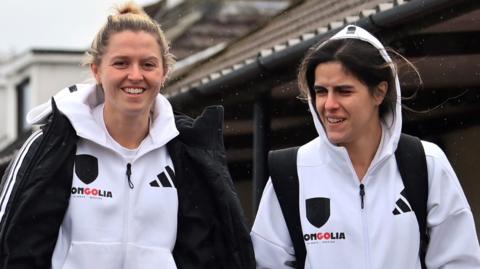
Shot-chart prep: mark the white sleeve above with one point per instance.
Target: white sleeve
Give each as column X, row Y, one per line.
column 271, row 240
column 453, row 238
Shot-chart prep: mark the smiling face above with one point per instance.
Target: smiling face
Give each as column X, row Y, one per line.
column 131, row 73
column 348, row 111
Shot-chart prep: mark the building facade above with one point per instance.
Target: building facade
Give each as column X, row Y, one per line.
column 31, row 79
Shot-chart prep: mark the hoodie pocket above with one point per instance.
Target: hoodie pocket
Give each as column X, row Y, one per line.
column 145, row 257
column 117, row 256
column 94, row 255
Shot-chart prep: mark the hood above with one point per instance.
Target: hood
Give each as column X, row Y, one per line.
column 391, row 124
column 78, row 102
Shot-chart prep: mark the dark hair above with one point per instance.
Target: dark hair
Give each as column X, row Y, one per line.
column 360, row 59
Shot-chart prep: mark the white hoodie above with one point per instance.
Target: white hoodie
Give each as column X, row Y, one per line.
column 111, row 222
column 372, row 237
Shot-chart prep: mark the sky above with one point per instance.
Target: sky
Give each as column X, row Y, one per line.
column 52, row 24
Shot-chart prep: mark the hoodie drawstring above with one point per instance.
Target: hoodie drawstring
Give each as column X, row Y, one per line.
column 129, row 173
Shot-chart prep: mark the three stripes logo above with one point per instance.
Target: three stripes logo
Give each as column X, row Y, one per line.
column 402, row 205
column 164, row 180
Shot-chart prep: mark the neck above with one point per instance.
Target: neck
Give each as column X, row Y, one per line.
column 362, row 153
column 127, row 131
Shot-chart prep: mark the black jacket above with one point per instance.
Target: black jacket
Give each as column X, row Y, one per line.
column 36, row 187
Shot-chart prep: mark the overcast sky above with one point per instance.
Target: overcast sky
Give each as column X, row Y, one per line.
column 52, row 24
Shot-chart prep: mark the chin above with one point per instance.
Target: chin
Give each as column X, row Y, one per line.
column 136, row 112
column 336, row 140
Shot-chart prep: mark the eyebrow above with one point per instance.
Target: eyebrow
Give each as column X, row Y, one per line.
column 149, row 58
column 153, row 58
column 338, row 87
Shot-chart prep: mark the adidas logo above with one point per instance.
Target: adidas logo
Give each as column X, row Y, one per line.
column 163, row 180
column 402, row 205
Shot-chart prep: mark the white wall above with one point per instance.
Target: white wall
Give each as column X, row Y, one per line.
column 3, row 115
column 50, row 78
column 48, row 73
column 8, row 119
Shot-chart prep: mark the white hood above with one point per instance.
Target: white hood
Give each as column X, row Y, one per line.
column 392, row 123
column 78, row 105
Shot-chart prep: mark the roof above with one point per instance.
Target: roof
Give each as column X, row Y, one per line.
column 193, row 26
column 153, row 8
column 301, row 22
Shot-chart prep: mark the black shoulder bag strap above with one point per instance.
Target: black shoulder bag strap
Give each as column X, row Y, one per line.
column 283, row 171
column 412, row 164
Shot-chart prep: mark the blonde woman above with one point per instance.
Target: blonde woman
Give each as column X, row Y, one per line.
column 114, row 179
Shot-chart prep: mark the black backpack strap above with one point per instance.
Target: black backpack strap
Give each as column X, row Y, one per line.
column 412, row 164
column 283, row 172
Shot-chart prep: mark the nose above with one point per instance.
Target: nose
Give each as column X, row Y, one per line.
column 331, row 101
column 135, row 73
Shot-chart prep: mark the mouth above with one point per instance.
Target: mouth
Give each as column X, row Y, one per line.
column 334, row 120
column 132, row 90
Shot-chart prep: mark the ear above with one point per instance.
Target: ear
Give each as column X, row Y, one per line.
column 380, row 92
column 95, row 72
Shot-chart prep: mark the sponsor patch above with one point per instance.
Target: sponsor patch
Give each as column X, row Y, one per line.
column 86, row 168
column 317, row 211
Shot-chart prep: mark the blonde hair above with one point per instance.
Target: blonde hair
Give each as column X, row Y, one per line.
column 129, row 17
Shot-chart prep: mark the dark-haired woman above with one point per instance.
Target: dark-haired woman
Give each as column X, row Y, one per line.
column 114, row 179
column 350, row 170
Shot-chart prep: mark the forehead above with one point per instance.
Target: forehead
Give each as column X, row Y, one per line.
column 133, row 43
column 333, row 73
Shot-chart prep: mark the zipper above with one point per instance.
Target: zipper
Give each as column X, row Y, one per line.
column 362, row 195
column 366, row 238
column 363, row 213
column 126, row 217
column 129, row 174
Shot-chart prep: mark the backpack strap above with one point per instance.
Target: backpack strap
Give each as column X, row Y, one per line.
column 412, row 164
column 283, row 172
